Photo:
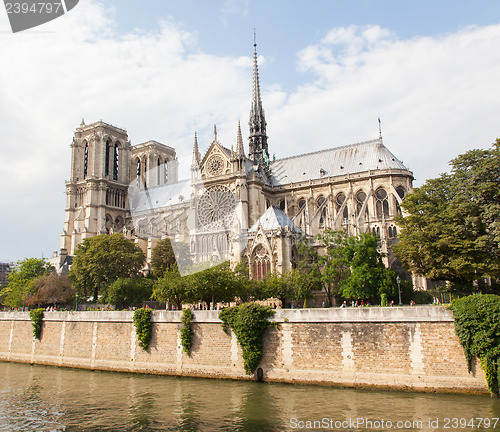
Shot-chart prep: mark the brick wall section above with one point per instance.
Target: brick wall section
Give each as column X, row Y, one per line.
column 401, row 348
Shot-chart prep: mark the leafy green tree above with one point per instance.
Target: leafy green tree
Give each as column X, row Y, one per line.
column 129, row 291
column 101, row 260
column 215, row 284
column 326, row 262
column 20, row 279
column 174, row 289
column 368, row 276
column 452, row 230
column 279, row 286
column 166, row 257
column 247, row 289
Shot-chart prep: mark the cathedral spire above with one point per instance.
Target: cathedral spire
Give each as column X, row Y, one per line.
column 196, row 153
column 240, row 151
column 258, row 149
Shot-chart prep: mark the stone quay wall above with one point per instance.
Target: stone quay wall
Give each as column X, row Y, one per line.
column 408, row 348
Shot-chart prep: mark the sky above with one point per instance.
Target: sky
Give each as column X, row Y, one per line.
column 163, row 70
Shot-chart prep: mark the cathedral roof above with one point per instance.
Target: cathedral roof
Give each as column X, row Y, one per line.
column 161, row 196
column 350, row 159
column 274, row 218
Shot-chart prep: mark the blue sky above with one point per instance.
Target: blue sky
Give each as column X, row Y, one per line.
column 163, row 70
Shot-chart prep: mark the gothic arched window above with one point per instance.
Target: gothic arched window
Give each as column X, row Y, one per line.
column 115, row 162
column 401, row 193
column 282, row 205
column 106, row 159
column 85, row 160
column 340, row 202
column 165, row 171
column 360, row 200
column 382, row 203
column 261, row 263
column 322, row 216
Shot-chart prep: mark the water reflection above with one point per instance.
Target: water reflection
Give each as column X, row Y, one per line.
column 37, row 398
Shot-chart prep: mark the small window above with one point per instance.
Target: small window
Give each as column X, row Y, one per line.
column 302, row 203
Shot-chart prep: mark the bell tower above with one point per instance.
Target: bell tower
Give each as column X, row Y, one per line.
column 96, row 194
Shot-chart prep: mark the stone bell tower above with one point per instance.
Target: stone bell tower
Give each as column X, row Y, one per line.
column 97, row 190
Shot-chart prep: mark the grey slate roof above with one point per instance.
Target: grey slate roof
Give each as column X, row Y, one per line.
column 350, row 159
column 274, row 218
column 161, row 196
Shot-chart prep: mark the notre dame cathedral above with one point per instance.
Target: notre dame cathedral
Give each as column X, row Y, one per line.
column 235, row 205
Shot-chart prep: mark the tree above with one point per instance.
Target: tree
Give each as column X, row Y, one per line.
column 50, row 289
column 452, row 230
column 101, row 260
column 129, row 291
column 368, row 276
column 20, row 280
column 174, row 289
column 213, row 285
column 279, row 286
column 166, row 257
column 326, row 262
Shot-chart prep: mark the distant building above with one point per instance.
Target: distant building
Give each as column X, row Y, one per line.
column 5, row 269
column 236, row 205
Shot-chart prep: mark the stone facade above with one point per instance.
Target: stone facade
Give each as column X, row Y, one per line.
column 235, row 205
column 399, row 348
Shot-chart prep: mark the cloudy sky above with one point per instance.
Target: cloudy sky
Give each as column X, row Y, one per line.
column 163, row 70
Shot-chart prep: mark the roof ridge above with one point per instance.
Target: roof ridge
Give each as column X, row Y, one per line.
column 330, row 149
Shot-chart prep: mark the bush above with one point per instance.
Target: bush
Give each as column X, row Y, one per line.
column 142, row 321
column 249, row 322
column 186, row 331
column 36, row 316
column 477, row 323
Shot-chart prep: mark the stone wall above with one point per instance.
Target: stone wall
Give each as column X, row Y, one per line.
column 413, row 348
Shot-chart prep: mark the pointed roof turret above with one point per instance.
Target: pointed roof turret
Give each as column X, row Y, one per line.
column 196, row 153
column 240, row 150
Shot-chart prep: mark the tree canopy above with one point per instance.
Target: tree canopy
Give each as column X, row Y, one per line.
column 101, row 260
column 166, row 257
column 452, row 230
column 20, row 280
column 349, row 267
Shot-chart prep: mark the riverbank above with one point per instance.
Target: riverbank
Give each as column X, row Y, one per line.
column 410, row 348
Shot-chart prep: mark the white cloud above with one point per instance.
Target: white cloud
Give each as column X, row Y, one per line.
column 437, row 98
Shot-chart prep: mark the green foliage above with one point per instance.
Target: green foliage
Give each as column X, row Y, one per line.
column 452, row 230
column 477, row 323
column 20, row 279
column 217, row 283
column 129, row 291
column 249, row 322
column 101, row 260
column 142, row 321
column 383, row 300
column 186, row 330
column 167, row 257
column 36, row 316
column 173, row 288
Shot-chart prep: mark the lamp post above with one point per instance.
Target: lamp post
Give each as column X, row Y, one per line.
column 76, row 302
column 398, row 280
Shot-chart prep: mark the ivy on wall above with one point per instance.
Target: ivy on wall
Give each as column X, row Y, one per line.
column 186, row 330
column 36, row 316
column 142, row 321
column 477, row 324
column 249, row 322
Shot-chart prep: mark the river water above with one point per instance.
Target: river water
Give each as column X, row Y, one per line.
column 39, row 398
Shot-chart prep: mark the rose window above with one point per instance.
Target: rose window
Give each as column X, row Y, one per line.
column 215, row 165
column 216, row 207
